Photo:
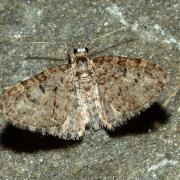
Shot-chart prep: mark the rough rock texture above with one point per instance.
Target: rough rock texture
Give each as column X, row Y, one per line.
column 148, row 146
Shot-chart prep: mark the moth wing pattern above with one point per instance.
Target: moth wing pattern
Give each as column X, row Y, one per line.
column 126, row 87
column 46, row 103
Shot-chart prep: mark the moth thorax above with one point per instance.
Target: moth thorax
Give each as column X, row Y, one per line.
column 82, row 66
column 82, row 62
column 86, row 84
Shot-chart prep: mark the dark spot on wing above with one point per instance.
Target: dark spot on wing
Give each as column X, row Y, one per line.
column 42, row 89
column 41, row 77
column 124, row 72
column 55, row 89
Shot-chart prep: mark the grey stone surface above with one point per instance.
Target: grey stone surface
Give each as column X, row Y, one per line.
column 148, row 146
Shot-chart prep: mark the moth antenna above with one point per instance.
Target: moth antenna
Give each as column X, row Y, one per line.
column 36, row 42
column 105, row 35
column 42, row 58
column 45, row 42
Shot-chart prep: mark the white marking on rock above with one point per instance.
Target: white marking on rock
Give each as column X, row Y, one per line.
column 159, row 29
column 39, row 12
column 115, row 10
column 162, row 163
column 106, row 23
column 18, row 35
column 168, row 39
column 134, row 26
column 178, row 110
column 172, row 40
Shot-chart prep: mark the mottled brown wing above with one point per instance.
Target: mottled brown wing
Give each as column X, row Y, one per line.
column 46, row 103
column 126, row 86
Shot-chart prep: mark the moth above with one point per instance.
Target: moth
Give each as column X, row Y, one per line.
column 104, row 92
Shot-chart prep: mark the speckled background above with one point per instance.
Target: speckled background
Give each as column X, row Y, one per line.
column 36, row 34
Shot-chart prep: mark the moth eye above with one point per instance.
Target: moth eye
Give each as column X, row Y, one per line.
column 75, row 51
column 87, row 50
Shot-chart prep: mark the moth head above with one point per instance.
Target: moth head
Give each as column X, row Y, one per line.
column 81, row 59
column 81, row 62
column 80, row 56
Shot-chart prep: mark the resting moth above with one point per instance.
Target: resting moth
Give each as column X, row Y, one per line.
column 103, row 92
